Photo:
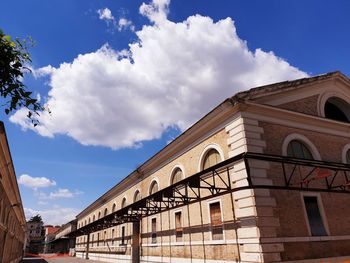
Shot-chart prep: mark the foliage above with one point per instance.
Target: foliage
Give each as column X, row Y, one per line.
column 37, row 219
column 13, row 60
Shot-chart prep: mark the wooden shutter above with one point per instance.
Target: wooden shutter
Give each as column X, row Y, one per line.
column 212, row 157
column 215, row 214
column 154, row 230
column 123, row 235
column 178, row 226
column 216, row 223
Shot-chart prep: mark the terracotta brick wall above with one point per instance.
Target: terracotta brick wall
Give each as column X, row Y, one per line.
column 307, row 105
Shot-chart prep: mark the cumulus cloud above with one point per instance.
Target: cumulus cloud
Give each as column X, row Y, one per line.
column 35, row 182
column 56, row 216
column 174, row 74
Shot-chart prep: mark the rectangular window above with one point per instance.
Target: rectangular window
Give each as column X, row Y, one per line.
column 92, row 240
column 112, row 237
column 104, row 238
column 98, row 239
column 123, row 235
column 178, row 226
column 154, row 230
column 216, row 223
column 317, row 227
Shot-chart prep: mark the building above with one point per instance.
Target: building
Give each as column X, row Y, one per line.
column 50, row 234
column 263, row 177
column 12, row 219
column 36, row 237
column 63, row 242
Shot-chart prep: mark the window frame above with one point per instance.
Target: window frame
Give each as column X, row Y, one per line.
column 154, row 240
column 206, row 150
column 213, row 201
column 320, row 208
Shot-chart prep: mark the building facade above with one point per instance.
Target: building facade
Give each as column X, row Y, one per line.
column 263, row 177
column 12, row 219
column 50, row 234
column 63, row 242
column 36, row 237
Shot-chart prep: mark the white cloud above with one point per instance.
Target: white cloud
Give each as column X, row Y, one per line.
column 56, row 216
column 63, row 193
column 58, row 194
column 172, row 76
column 124, row 23
column 156, row 11
column 35, row 182
column 105, row 14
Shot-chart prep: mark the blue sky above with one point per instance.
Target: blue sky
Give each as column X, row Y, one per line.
column 134, row 78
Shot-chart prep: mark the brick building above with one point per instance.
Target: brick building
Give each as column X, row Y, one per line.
column 263, row 177
column 12, row 219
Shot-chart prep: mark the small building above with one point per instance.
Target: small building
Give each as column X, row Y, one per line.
column 263, row 177
column 50, row 233
column 12, row 218
column 63, row 242
column 36, row 237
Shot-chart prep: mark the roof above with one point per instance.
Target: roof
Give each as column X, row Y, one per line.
column 250, row 94
column 278, row 87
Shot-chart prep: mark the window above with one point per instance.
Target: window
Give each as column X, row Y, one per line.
column 112, row 237
column 211, row 158
column 92, row 240
column 153, row 188
column 178, row 226
column 348, row 157
column 337, row 109
column 314, row 217
column 154, row 230
column 137, row 196
column 215, row 220
column 99, row 215
column 104, row 238
column 89, row 221
column 123, row 235
column 93, row 218
column 113, row 208
column 106, row 211
column 297, row 149
column 124, row 202
column 176, row 176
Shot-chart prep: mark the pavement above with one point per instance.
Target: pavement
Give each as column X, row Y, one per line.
column 61, row 259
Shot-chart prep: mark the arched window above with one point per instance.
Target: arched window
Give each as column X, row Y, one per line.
column 85, row 222
column 106, row 211
column 297, row 149
column 153, row 188
column 347, row 157
column 93, row 218
column 176, row 176
column 137, row 196
column 124, row 202
column 89, row 221
column 211, row 158
column 113, row 208
column 337, row 109
column 99, row 215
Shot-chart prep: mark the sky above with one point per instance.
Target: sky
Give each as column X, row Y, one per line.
column 124, row 78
